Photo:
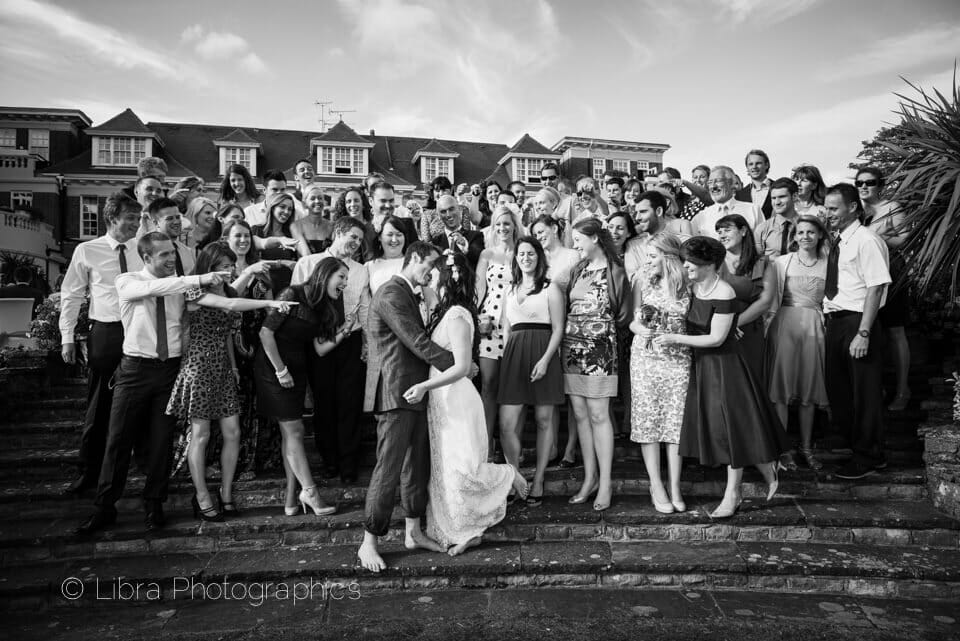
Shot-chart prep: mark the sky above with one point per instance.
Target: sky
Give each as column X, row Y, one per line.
column 805, row 80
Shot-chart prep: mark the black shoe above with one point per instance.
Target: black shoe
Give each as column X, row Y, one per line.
column 153, row 518
column 80, row 485
column 205, row 514
column 227, row 508
column 853, row 471
column 102, row 518
column 564, row 464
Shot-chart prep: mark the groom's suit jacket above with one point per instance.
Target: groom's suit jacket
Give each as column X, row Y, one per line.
column 399, row 352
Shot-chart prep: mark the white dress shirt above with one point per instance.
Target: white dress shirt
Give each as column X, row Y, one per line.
column 759, row 194
column 864, row 262
column 138, row 292
column 256, row 214
column 356, row 295
column 188, row 257
column 704, row 223
column 93, row 270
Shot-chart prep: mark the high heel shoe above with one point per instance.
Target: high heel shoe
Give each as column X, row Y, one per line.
column 205, row 514
column 678, row 505
column 600, row 506
column 806, row 453
column 227, row 508
column 577, row 499
column 663, row 508
column 291, row 511
column 773, row 485
column 786, row 462
column 727, row 513
column 310, row 497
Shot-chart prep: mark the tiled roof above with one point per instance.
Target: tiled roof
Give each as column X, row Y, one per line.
column 124, row 121
column 476, row 160
column 435, row 147
column 341, row 132
column 530, row 145
column 238, row 135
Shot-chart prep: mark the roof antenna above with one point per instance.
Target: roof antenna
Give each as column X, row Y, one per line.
column 322, row 120
column 340, row 112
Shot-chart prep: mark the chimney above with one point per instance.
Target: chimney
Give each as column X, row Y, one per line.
column 373, row 133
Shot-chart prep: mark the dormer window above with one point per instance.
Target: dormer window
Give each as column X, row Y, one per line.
column 528, row 169
column 238, row 156
column 117, row 151
column 349, row 161
column 434, row 167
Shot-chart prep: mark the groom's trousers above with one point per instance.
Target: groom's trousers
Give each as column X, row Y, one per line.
column 403, row 458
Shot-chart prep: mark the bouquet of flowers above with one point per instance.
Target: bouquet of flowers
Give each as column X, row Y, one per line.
column 651, row 318
column 46, row 326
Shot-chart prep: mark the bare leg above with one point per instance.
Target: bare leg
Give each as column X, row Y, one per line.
column 651, row 460
column 573, row 434
column 580, row 410
column 294, row 454
column 807, row 414
column 555, row 435
column 415, row 538
column 511, row 426
column 544, row 416
column 674, row 467
column 230, row 428
column 602, row 446
column 196, row 460
column 293, row 489
column 731, row 496
column 490, row 379
column 462, row 547
column 368, row 554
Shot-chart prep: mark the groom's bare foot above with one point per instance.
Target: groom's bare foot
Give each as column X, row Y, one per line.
column 520, row 484
column 417, row 539
column 370, row 558
column 461, row 548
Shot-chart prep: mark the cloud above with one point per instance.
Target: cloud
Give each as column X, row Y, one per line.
column 192, row 33
column 252, row 63
column 763, row 12
column 55, row 26
column 336, row 52
column 217, row 45
column 640, row 49
column 901, row 52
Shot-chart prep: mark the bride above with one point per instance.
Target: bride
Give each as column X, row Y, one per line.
column 467, row 494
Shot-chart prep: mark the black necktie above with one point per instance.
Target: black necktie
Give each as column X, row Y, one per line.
column 162, row 349
column 122, row 252
column 833, row 269
column 176, row 252
column 787, row 244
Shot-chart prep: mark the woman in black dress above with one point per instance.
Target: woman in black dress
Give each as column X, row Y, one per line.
column 280, row 368
column 313, row 232
column 728, row 419
column 280, row 211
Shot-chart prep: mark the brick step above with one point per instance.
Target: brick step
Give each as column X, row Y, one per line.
column 827, row 568
column 631, row 518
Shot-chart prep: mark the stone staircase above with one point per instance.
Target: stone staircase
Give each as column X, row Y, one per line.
column 877, row 537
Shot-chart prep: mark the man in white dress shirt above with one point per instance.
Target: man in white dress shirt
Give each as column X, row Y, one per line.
column 857, row 277
column 93, row 270
column 721, row 185
column 166, row 219
column 151, row 308
column 274, row 182
column 757, row 191
column 337, row 379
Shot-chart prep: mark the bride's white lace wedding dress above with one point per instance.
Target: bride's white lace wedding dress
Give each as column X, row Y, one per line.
column 467, row 494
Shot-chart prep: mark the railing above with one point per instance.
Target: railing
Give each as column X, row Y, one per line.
column 17, row 159
column 19, row 221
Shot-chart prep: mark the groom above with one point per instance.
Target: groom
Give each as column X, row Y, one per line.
column 400, row 353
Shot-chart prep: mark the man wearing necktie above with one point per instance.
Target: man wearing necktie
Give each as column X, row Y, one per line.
column 166, row 217
column 92, row 273
column 857, row 279
column 454, row 236
column 774, row 236
column 722, row 192
column 151, row 308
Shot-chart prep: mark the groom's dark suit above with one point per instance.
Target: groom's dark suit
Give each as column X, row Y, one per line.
column 474, row 244
column 399, row 355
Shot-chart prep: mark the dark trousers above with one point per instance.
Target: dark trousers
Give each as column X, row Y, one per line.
column 139, row 414
column 104, row 349
column 337, row 383
column 403, row 457
column 855, row 389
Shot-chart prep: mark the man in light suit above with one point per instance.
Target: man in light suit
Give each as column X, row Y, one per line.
column 400, row 354
column 454, row 236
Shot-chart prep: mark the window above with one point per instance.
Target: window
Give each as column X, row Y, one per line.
column 8, row 138
column 622, row 165
column 239, row 156
column 434, row 167
column 123, row 152
column 40, row 142
column 21, row 199
column 89, row 217
column 643, row 165
column 528, row 169
column 599, row 167
column 341, row 160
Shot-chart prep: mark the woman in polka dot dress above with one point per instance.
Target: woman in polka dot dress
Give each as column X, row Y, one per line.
column 493, row 281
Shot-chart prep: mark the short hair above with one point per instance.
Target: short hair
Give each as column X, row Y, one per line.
column 145, row 178
column 188, row 184
column 508, row 194
column 703, row 250
column 616, row 180
column 161, row 203
column 550, row 165
column 148, row 242
column 548, row 220
column 673, row 172
column 516, row 182
column 22, row 274
column 118, row 203
column 151, row 165
column 421, row 248
column 381, row 184
column 849, row 194
column 306, row 160
column 785, row 183
column 656, row 198
column 727, row 171
column 441, row 183
column 757, row 152
column 274, row 174
column 702, row 168
column 346, row 223
column 873, row 171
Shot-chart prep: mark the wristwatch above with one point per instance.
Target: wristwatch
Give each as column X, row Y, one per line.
column 864, row 333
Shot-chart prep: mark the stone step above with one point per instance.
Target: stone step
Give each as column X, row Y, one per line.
column 630, row 518
column 778, row 566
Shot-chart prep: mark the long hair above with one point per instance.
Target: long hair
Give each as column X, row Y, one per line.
column 329, row 311
column 483, row 204
column 748, row 249
column 812, row 174
column 210, row 256
column 397, row 224
column 250, row 188
column 271, row 225
column 340, row 207
column 594, row 227
column 440, row 182
column 455, row 286
column 673, row 277
column 540, row 279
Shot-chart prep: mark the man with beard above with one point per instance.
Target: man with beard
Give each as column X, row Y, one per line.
column 648, row 218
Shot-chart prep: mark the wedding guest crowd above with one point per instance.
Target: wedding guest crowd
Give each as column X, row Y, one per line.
column 706, row 310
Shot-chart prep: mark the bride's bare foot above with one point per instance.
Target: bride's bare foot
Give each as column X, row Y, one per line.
column 417, row 539
column 461, row 548
column 370, row 558
column 520, row 484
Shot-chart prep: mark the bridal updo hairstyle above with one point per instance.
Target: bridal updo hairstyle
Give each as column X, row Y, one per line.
column 703, row 250
column 455, row 286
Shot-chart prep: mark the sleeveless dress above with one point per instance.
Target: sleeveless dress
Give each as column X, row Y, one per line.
column 659, row 375
column 205, row 387
column 795, row 343
column 589, row 346
column 279, row 276
column 498, row 278
column 467, row 495
column 747, row 289
column 530, row 332
column 727, row 419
